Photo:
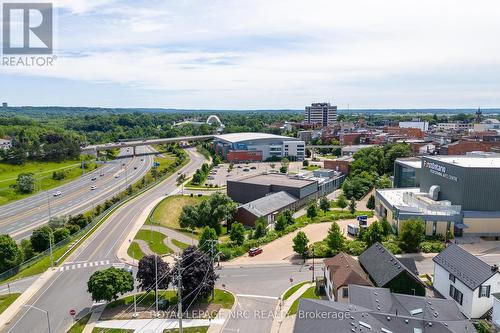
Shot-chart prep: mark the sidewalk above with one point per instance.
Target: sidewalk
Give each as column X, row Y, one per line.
column 94, row 318
column 283, row 323
column 160, row 325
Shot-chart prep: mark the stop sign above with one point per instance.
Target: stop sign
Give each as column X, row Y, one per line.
column 72, row 312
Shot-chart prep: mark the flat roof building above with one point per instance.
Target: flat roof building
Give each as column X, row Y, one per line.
column 245, row 147
column 322, row 114
column 456, row 193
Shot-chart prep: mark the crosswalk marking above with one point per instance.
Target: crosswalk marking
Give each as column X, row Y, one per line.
column 68, row 267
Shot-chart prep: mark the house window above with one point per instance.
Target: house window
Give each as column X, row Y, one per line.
column 345, row 292
column 452, row 278
column 456, row 295
column 484, row 291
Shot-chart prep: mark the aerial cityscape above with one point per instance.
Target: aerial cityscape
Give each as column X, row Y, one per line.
column 249, row 167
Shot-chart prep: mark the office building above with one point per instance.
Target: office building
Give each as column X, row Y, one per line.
column 322, row 114
column 421, row 125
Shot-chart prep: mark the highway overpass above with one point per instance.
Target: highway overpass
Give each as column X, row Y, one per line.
column 92, row 150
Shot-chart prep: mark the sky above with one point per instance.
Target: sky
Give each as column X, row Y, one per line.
column 273, row 54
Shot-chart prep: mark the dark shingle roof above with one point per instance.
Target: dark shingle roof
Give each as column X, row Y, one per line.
column 466, row 267
column 381, row 265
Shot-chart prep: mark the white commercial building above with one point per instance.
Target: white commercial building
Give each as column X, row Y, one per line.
column 322, row 114
column 454, row 126
column 421, row 125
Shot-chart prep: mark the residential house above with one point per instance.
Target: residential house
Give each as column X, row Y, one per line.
column 387, row 271
column 463, row 277
column 341, row 271
column 378, row 310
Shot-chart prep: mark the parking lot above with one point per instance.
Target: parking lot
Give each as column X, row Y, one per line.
column 220, row 174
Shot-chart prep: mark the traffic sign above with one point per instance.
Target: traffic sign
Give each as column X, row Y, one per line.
column 72, row 312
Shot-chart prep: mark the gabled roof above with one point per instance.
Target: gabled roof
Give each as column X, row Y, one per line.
column 381, row 265
column 466, row 267
column 269, row 204
column 345, row 270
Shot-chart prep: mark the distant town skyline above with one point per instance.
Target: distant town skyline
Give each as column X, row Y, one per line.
column 266, row 55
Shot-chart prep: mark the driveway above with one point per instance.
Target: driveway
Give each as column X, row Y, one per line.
column 280, row 250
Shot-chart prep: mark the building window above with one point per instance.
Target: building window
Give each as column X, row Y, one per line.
column 345, row 292
column 452, row 278
column 484, row 291
column 434, row 228
column 456, row 295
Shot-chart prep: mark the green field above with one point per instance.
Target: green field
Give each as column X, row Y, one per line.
column 43, row 175
column 293, row 289
column 180, row 244
column 6, row 301
column 168, row 211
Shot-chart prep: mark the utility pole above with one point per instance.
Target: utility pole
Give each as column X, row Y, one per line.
column 179, row 296
column 156, row 283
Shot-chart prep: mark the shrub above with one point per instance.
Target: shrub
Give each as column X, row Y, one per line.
column 355, row 247
column 320, row 250
column 431, row 246
column 392, row 247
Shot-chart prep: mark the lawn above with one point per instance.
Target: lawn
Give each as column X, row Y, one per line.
column 224, row 298
column 165, row 160
column 79, row 326
column 111, row 330
column 309, row 293
column 180, row 244
column 43, row 175
column 7, row 300
column 155, row 241
column 169, row 210
column 134, row 251
column 293, row 289
column 311, row 167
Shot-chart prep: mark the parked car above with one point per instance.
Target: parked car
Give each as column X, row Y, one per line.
column 56, row 194
column 253, row 168
column 254, row 251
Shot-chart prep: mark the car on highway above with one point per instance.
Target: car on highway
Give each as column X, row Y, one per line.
column 246, row 170
column 102, row 175
column 93, row 187
column 57, row 193
column 142, row 160
column 253, row 168
column 93, row 178
column 135, row 168
column 254, row 251
column 117, row 176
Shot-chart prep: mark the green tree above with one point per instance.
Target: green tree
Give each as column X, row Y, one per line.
column 324, row 204
column 342, row 201
column 373, row 234
column 41, row 238
column 352, row 205
column 108, row 284
column 60, row 234
column 10, row 254
column 281, row 222
column 25, row 183
column 300, row 244
column 411, row 234
column 371, row 202
column 305, row 163
column 312, row 210
column 335, row 239
column 237, row 234
column 27, row 249
column 394, row 151
column 386, row 226
column 208, row 239
column 260, row 228
column 383, row 182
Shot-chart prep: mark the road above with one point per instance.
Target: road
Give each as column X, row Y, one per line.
column 19, row 218
column 257, row 289
column 67, row 289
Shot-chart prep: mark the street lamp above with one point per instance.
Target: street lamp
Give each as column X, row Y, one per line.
column 41, row 310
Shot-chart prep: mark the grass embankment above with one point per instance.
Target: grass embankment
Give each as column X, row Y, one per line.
column 155, row 241
column 180, row 244
column 309, row 293
column 42, row 172
column 7, row 300
column 79, row 326
column 134, row 251
column 168, row 212
column 293, row 289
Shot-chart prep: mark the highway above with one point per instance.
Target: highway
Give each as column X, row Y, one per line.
column 19, row 218
column 67, row 289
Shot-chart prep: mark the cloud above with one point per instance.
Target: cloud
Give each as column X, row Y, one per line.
column 283, row 53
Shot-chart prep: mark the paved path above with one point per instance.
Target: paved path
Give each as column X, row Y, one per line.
column 172, row 234
column 156, row 325
column 282, row 322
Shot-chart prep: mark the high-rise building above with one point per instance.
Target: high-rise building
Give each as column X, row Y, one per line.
column 322, row 114
column 5, row 104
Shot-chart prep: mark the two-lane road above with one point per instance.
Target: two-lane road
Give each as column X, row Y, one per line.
column 67, row 289
column 19, row 218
